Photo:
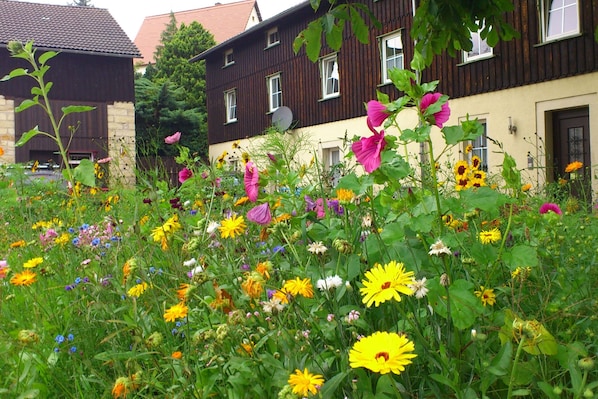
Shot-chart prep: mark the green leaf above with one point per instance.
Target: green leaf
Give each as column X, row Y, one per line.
column 510, row 173
column 332, row 384
column 15, row 73
column 334, row 37
column 483, row 198
column 359, row 27
column 465, row 306
column 26, row 104
column 445, row 381
column 501, row 363
column 71, row 109
column 28, row 136
column 84, row 173
column 521, row 256
column 548, row 390
column 453, row 134
column 46, row 56
column 311, row 37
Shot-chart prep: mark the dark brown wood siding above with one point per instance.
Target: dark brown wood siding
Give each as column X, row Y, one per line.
column 77, row 77
column 515, row 63
column 91, row 132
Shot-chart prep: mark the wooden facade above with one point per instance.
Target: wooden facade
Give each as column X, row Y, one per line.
column 79, row 79
column 520, row 62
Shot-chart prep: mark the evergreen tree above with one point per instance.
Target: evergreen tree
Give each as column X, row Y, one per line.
column 81, row 3
column 166, row 35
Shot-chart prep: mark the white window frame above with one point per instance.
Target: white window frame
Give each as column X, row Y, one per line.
column 229, row 57
column 330, row 76
column 398, row 58
column 230, row 104
column 272, row 37
column 274, row 84
column 480, row 147
column 479, row 44
column 557, row 15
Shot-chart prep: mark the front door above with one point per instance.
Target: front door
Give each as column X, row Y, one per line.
column 572, row 144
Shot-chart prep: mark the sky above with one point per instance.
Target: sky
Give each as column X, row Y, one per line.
column 130, row 13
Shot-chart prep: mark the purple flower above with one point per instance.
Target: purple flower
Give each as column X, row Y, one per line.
column 185, row 174
column 310, row 204
column 173, row 139
column 439, row 117
column 335, row 206
column 550, row 207
column 376, row 113
column 251, row 181
column 260, row 214
column 367, row 151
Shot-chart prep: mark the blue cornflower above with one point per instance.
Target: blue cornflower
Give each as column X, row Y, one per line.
column 278, row 249
column 73, row 349
column 56, row 350
column 107, row 245
column 69, row 287
column 95, row 242
column 76, row 241
column 71, row 230
column 152, row 270
column 78, row 280
column 70, row 337
column 174, row 331
column 59, row 338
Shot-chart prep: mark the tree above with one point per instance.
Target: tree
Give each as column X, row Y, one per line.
column 166, row 35
column 438, row 25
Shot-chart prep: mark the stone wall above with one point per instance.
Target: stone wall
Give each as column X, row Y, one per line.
column 7, row 130
column 121, row 143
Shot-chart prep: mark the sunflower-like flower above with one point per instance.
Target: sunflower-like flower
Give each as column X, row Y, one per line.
column 26, row 277
column 476, row 162
column 490, row 236
column 486, row 295
column 573, row 166
column 386, row 282
column 137, row 290
column 31, row 263
column 178, row 311
column 344, row 195
column 304, row 382
column 299, row 286
column 382, row 352
column 232, row 226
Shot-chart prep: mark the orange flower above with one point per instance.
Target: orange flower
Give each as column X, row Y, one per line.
column 573, row 166
column 26, row 277
column 264, row 268
column 177, row 355
column 17, row 244
column 184, row 291
column 526, row 187
column 252, row 287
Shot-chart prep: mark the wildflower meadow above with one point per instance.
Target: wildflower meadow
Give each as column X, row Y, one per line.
column 266, row 278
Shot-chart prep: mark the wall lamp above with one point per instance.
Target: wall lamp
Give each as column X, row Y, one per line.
column 512, row 128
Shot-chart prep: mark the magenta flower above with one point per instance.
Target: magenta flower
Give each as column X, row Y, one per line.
column 173, row 139
column 439, row 117
column 376, row 113
column 185, row 174
column 251, row 181
column 550, row 207
column 260, row 214
column 367, row 151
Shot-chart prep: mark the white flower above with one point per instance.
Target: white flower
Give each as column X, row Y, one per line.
column 438, row 249
column 317, row 248
column 195, row 271
column 352, row 316
column 419, row 288
column 189, row 263
column 212, row 227
column 272, row 306
column 366, row 221
column 329, row 283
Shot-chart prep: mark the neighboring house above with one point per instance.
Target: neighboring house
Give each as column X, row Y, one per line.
column 221, row 20
column 94, row 68
column 537, row 95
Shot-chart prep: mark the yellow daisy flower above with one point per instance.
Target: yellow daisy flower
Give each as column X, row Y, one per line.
column 31, row 263
column 137, row 290
column 344, row 196
column 386, row 282
column 178, row 311
column 486, row 295
column 490, row 236
column 573, row 166
column 26, row 278
column 233, row 226
column 299, row 286
column 382, row 352
column 304, row 382
column 461, row 169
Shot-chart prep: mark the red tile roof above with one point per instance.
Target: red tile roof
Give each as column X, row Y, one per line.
column 64, row 28
column 222, row 20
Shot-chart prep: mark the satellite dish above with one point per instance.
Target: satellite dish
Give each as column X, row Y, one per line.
column 282, row 118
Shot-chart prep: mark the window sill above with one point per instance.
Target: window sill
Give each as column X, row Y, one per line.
column 230, row 122
column 268, row 47
column 558, row 39
column 228, row 65
column 330, row 97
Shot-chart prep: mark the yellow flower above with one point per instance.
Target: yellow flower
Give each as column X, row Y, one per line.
column 184, row 291
column 573, row 166
column 299, row 286
column 252, row 287
column 486, row 295
column 526, row 187
column 462, row 184
column 178, row 311
column 461, row 169
column 490, row 236
column 304, row 382
column 382, row 352
column 242, row 201
column 63, row 239
column 26, row 277
column 468, row 149
column 236, row 144
column 475, row 162
column 162, row 233
column 233, row 226
column 386, row 282
column 264, row 269
column 31, row 263
column 177, row 355
column 122, row 386
column 344, row 195
column 281, row 296
column 137, row 290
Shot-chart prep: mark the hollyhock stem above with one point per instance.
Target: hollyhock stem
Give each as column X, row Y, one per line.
column 435, row 184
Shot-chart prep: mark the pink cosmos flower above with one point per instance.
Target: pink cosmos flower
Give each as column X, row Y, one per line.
column 260, row 214
column 376, row 113
column 441, row 116
column 185, row 174
column 173, row 139
column 251, row 181
column 550, row 207
column 367, row 150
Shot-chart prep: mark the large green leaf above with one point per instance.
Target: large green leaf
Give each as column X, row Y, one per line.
column 25, row 104
column 464, row 306
column 46, row 56
column 84, row 173
column 521, row 256
column 14, row 74
column 71, row 109
column 28, row 136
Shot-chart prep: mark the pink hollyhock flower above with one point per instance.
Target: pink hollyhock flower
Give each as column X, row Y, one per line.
column 320, row 212
column 367, row 151
column 376, row 113
column 550, row 207
column 441, row 116
column 260, row 214
column 173, row 139
column 251, row 181
column 185, row 174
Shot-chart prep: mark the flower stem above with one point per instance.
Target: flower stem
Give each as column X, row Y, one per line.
column 514, row 369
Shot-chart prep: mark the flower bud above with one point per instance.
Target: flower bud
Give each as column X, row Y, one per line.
column 587, row 363
column 342, row 246
column 154, row 340
column 27, row 336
